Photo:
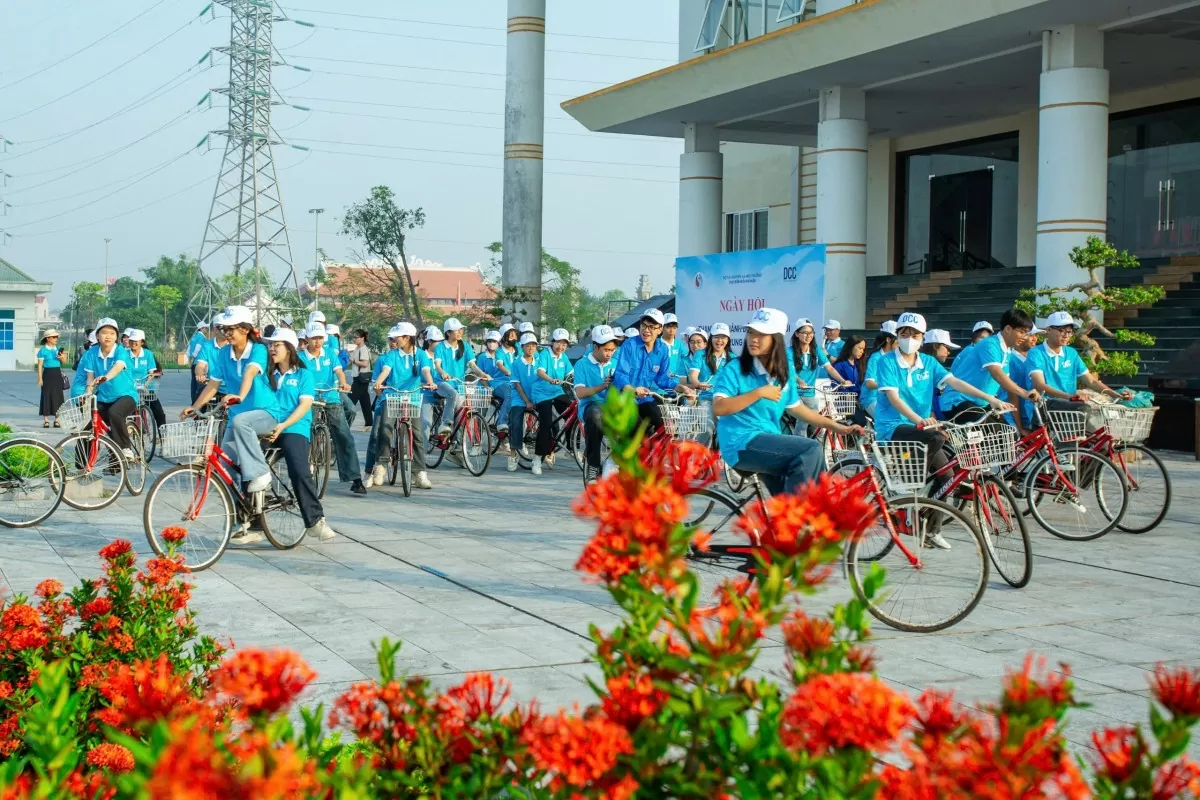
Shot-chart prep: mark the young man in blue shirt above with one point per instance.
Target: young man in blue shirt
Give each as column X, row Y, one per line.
column 984, row 366
column 644, row 366
column 677, row 347
column 1056, row 369
column 593, row 377
column 833, row 340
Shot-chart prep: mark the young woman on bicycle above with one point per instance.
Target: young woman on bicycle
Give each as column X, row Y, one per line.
column 295, row 389
column 144, row 369
column 593, row 377
column 327, row 373
column 981, row 330
column 885, row 342
column 851, row 363
column 240, row 367
column 985, row 367
column 453, row 358
column 496, row 361
column 525, row 377
column 706, row 363
column 116, row 396
column 403, row 368
column 808, row 362
column 553, row 367
column 644, row 365
column 750, row 396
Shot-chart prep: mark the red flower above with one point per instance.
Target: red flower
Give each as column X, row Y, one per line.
column 115, row 549
column 1173, row 779
column 174, row 534
column 145, row 692
column 1178, row 690
column 96, row 608
column 112, row 757
column 192, row 767
column 819, row 516
column 121, row 642
column 21, row 628
column 1034, row 685
column 48, row 588
column 1121, row 751
column 830, row 712
column 806, row 636
column 161, row 571
column 689, row 465
column 938, row 714
column 848, row 510
column 631, row 698
column 262, row 681
column 861, row 659
column 383, row 715
column 577, row 752
column 6, row 690
column 96, row 674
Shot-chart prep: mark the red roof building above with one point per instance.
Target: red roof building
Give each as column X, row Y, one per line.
column 446, row 289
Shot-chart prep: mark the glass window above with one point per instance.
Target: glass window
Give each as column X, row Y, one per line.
column 746, row 230
column 6, row 335
column 790, row 9
column 710, row 26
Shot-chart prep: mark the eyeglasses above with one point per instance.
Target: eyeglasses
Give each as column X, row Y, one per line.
column 651, row 326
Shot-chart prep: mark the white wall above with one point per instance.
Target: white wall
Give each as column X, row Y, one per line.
column 24, row 328
column 758, row 176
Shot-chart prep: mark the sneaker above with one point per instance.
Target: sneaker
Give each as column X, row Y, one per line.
column 356, row 487
column 321, row 530
column 369, row 482
column 247, row 536
column 512, row 463
column 525, row 451
column 259, row 484
column 444, row 429
column 939, row 541
column 548, row 461
column 421, row 480
column 378, row 475
column 591, row 474
column 537, row 466
column 501, row 429
column 129, row 454
column 504, row 451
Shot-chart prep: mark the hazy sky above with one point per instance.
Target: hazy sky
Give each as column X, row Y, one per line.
column 433, row 133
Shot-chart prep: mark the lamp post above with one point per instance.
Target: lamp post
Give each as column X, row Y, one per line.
column 106, row 241
column 317, row 212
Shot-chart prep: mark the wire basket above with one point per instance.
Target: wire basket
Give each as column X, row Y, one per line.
column 146, row 395
column 1128, row 424
column 403, row 405
column 1067, row 426
column 845, row 404
column 479, row 397
column 75, row 414
column 990, row 445
column 191, row 438
column 904, row 465
column 687, row 422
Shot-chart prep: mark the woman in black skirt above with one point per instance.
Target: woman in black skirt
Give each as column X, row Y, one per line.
column 50, row 378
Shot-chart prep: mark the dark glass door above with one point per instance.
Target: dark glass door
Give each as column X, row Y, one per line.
column 960, row 221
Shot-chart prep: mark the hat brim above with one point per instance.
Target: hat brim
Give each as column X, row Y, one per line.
column 759, row 329
column 952, row 345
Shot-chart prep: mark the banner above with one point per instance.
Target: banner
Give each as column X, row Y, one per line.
column 730, row 287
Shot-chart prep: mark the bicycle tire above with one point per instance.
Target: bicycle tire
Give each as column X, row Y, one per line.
column 393, row 459
column 318, row 459
column 876, row 542
column 713, row 568
column 968, row 539
column 433, row 455
column 575, row 445
column 476, row 444
column 1004, row 531
column 1136, row 513
column 402, row 458
column 528, row 442
column 149, row 433
column 82, row 481
column 136, row 469
column 1052, row 495
column 280, row 519
column 21, row 476
column 164, row 509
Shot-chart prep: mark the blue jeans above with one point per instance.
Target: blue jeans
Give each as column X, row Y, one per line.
column 241, row 442
column 451, row 396
column 379, row 446
column 516, row 428
column 343, row 444
column 505, row 392
column 783, row 462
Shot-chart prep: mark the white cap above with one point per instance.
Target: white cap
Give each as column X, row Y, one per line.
column 202, row 326
column 619, row 333
column 700, row 332
column 654, row 314
column 769, row 320
column 1060, row 319
column 803, row 322
column 632, row 332
column 107, row 322
column 315, row 329
column 287, row 319
column 137, row 335
column 92, row 338
column 719, row 329
column 452, row 324
column 283, row 335
column 670, row 319
column 333, row 330
column 603, row 334
column 689, row 331
column 983, row 325
column 528, row 338
column 434, row 334
column 911, row 320
column 402, row 329
column 560, row 335
column 492, row 336
column 505, row 328
column 888, row 327
column 939, row 336
column 237, row 315
column 832, row 325
column 317, row 316
column 525, row 327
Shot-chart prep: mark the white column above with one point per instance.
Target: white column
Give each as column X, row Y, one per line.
column 842, row 203
column 524, row 135
column 1072, row 151
column 701, row 171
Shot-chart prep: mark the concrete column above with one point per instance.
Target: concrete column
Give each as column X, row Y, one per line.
column 1072, row 151
column 842, row 203
column 701, row 172
column 524, row 135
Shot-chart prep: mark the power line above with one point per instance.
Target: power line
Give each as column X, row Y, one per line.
column 419, row 108
column 74, row 195
column 437, row 69
column 482, row 155
column 122, row 214
column 421, row 83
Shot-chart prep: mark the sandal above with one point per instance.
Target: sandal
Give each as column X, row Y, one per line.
column 57, row 424
column 45, row 423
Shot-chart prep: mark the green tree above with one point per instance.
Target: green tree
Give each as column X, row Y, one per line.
column 165, row 297
column 382, row 227
column 86, row 297
column 565, row 301
column 1084, row 299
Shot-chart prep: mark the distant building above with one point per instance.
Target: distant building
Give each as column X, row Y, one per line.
column 18, row 316
column 446, row 290
column 643, row 288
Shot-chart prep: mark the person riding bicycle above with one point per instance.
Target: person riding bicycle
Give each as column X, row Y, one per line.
column 108, row 370
column 295, row 388
column 984, row 366
column 452, row 359
column 705, row 364
column 404, row 368
column 496, row 361
column 750, row 396
column 1018, row 370
column 677, row 348
column 885, row 342
column 145, row 371
column 808, row 362
column 548, row 397
column 325, row 371
column 508, row 352
column 593, row 378
column 525, row 377
column 199, row 344
column 832, row 344
column 644, row 365
column 1056, row 369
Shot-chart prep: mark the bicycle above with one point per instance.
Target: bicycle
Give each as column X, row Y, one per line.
column 320, row 443
column 568, row 433
column 1120, row 441
column 468, row 432
column 204, row 495
column 892, row 481
column 839, row 406
column 32, row 482
column 144, row 419
column 96, row 469
column 404, row 410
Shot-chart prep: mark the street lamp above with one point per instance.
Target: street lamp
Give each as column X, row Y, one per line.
column 317, row 212
column 106, row 241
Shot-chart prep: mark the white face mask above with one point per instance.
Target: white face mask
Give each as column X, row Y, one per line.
column 908, row 346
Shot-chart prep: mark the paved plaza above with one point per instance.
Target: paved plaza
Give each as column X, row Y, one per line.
column 478, row 575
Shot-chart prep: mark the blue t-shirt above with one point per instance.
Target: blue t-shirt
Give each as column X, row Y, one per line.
column 699, row 362
column 971, row 367
column 1060, row 371
column 48, row 356
column 208, row 354
column 1018, row 370
column 526, row 375
column 290, row 388
column 812, row 366
column 142, row 366
column 637, row 368
column 557, row 367
column 915, row 386
column 490, row 364
column 196, row 345
column 833, row 349
column 452, row 365
column 736, row 431
column 871, row 373
column 680, row 358
column 589, row 374
column 321, row 368
column 98, row 366
column 229, row 371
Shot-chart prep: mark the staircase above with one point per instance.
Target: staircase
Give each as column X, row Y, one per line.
column 1174, row 320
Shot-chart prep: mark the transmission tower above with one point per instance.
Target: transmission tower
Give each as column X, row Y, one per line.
column 246, row 229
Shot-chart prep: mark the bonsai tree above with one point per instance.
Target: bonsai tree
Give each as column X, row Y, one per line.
column 1084, row 299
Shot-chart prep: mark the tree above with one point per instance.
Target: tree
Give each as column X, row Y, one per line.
column 383, row 228
column 1085, row 298
column 165, row 297
column 565, row 301
column 87, row 295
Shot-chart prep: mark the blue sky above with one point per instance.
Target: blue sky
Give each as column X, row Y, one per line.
column 433, row 134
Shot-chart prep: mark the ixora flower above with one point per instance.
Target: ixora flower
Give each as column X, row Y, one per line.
column 577, row 752
column 174, row 534
column 261, row 681
column 1035, row 689
column 116, row 549
column 632, row 697
column 830, row 712
column 1120, row 752
column 145, row 692
column 49, row 588
column 822, row 514
column 1178, row 690
column 112, row 757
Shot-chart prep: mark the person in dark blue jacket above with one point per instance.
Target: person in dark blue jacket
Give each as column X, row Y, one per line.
column 644, row 367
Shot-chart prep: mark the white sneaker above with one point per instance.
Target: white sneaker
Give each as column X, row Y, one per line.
column 259, row 484
column 369, row 481
column 939, row 541
column 444, row 430
column 548, row 461
column 129, row 454
column 321, row 530
column 525, row 451
column 512, row 463
column 537, row 466
column 421, row 480
column 378, row 475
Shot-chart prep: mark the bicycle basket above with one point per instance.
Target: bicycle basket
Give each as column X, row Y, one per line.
column 146, row 395
column 844, row 404
column 990, row 445
column 1128, row 424
column 479, row 397
column 403, row 405
column 687, row 422
column 75, row 414
column 903, row 464
column 1067, row 426
column 191, row 438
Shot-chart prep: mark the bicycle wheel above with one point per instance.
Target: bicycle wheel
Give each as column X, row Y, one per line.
column 136, row 470
column 476, row 444
column 32, row 482
column 528, row 444
column 393, row 459
column 318, row 458
column 943, row 587
column 719, row 564
column 1003, row 527
column 182, row 496
column 281, row 519
column 1080, row 499
column 876, row 541
column 149, row 433
column 1149, row 487
column 576, row 446
column 402, row 458
column 92, row 484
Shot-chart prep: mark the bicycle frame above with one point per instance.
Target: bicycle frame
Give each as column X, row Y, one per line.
column 215, row 464
column 868, row 480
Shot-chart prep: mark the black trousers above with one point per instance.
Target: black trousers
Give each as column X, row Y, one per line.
column 197, row 386
column 966, row 412
column 933, row 440
column 592, row 433
column 360, row 392
column 156, row 411
column 652, row 412
column 116, row 415
column 294, row 449
column 547, row 410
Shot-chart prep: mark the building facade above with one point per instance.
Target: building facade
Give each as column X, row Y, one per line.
column 928, row 135
column 19, row 328
column 449, row 291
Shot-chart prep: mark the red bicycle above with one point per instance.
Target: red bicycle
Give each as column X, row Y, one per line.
column 568, row 433
column 96, row 469
column 469, row 432
column 1146, row 479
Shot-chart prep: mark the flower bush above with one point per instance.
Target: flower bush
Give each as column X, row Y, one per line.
column 108, row 691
